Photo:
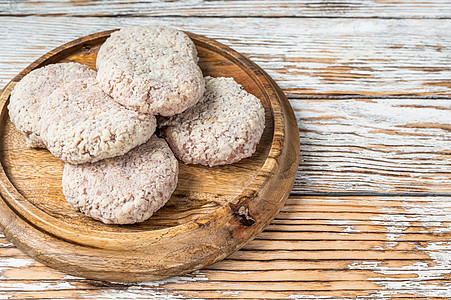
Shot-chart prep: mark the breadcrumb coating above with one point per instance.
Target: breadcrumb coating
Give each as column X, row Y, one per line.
column 223, row 128
column 33, row 90
column 149, row 72
column 80, row 123
column 126, row 189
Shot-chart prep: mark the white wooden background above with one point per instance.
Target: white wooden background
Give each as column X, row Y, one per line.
column 370, row 82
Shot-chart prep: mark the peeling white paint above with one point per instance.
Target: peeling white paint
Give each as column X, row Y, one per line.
column 300, row 296
column 7, row 244
column 194, row 276
column 342, row 138
column 386, row 246
column 137, row 294
column 150, row 289
column 246, row 8
column 230, row 293
column 69, row 277
column 10, row 263
column 35, row 286
column 346, row 56
column 430, row 214
column 345, row 225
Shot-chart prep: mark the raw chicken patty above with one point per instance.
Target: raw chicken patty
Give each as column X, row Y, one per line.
column 126, row 189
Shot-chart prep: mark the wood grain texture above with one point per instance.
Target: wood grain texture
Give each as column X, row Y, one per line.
column 212, row 213
column 241, row 8
column 374, row 145
column 315, row 248
column 314, row 57
column 384, row 64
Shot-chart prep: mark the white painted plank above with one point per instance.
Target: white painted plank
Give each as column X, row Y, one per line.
column 379, row 145
column 313, row 57
column 241, row 8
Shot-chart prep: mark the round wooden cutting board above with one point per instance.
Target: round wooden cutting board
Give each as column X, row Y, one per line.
column 212, row 213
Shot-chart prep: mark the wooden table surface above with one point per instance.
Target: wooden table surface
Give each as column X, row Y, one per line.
column 370, row 81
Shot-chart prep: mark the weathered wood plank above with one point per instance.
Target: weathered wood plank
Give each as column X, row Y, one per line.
column 307, row 57
column 304, row 8
column 243, row 294
column 296, row 265
column 379, row 145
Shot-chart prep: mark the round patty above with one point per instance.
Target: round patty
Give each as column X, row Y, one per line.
column 151, row 77
column 223, row 128
column 150, row 35
column 126, row 189
column 32, row 92
column 80, row 123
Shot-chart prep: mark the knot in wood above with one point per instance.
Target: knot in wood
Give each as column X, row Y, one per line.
column 244, row 216
column 86, row 48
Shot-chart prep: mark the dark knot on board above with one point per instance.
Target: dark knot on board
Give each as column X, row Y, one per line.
column 85, row 48
column 244, row 216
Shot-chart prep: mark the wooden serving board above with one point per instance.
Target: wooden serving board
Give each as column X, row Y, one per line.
column 212, row 213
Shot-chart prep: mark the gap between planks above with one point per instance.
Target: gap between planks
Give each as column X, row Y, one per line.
column 239, row 9
column 144, row 15
column 368, row 194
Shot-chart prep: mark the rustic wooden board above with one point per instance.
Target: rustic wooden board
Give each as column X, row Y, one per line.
column 316, row 247
column 309, row 58
column 236, row 8
column 212, row 213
